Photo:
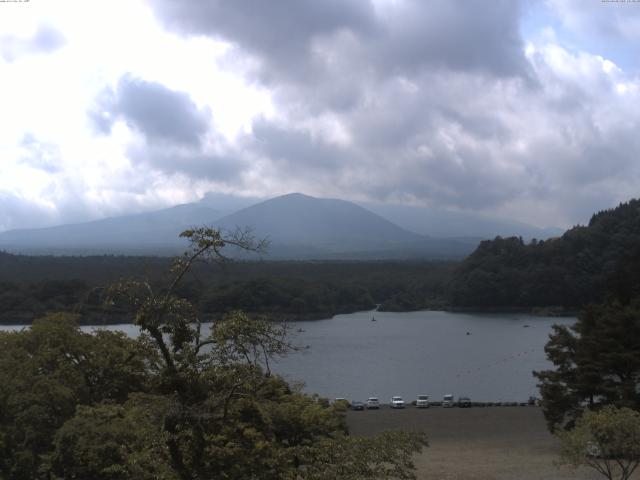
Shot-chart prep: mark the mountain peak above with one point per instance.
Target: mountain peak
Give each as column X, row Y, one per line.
column 294, row 195
column 298, row 219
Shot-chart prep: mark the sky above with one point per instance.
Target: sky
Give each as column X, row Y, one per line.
column 526, row 110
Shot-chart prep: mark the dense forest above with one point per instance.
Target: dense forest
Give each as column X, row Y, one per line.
column 585, row 265
column 33, row 286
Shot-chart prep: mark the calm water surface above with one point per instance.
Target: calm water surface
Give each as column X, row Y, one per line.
column 414, row 353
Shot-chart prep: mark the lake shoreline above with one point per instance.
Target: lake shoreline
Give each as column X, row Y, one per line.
column 108, row 320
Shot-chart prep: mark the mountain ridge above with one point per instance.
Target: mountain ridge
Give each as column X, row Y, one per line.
column 298, row 225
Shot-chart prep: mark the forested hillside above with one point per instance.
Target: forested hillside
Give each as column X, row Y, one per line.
column 584, row 265
column 32, row 286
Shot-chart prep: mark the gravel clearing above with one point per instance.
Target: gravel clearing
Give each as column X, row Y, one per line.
column 491, row 443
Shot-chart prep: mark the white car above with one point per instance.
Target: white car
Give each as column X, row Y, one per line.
column 447, row 400
column 373, row 402
column 422, row 401
column 397, row 402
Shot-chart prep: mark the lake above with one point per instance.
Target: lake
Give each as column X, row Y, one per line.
column 488, row 357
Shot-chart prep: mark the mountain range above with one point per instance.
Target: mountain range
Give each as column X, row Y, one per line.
column 297, row 226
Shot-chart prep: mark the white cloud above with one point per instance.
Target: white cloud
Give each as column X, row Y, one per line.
column 47, row 92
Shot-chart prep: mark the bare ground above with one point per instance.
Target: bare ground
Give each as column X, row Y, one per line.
column 491, row 443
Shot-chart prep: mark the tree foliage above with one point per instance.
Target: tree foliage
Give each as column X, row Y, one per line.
column 597, row 363
column 586, row 264
column 47, row 371
column 173, row 404
column 607, row 441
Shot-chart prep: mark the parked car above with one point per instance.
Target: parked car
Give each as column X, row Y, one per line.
column 447, row 400
column 422, row 401
column 464, row 402
column 397, row 402
column 373, row 402
column 356, row 405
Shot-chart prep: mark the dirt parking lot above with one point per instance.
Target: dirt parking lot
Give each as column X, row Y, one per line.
column 491, row 443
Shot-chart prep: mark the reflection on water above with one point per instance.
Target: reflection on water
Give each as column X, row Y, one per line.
column 487, row 357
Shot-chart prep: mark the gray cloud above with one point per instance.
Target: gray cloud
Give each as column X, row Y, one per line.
column 430, row 101
column 159, row 113
column 473, row 35
column 280, row 33
column 295, row 150
column 372, row 66
column 46, row 39
column 226, row 166
column 309, row 41
column 178, row 138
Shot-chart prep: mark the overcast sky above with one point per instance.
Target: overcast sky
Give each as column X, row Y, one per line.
column 526, row 110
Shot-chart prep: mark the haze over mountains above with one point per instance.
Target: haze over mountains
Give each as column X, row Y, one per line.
column 297, row 227
column 449, row 223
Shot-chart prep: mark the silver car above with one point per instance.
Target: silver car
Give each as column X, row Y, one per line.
column 373, row 402
column 422, row 401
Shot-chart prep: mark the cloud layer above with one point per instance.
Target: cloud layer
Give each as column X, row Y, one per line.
column 438, row 102
column 519, row 109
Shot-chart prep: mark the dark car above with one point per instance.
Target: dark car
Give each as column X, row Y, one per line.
column 464, row 402
column 355, row 405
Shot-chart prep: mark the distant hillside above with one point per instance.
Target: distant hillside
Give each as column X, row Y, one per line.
column 146, row 233
column 584, row 265
column 300, row 226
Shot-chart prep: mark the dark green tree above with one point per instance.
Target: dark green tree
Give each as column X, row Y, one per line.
column 110, row 441
column 49, row 370
column 597, row 363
